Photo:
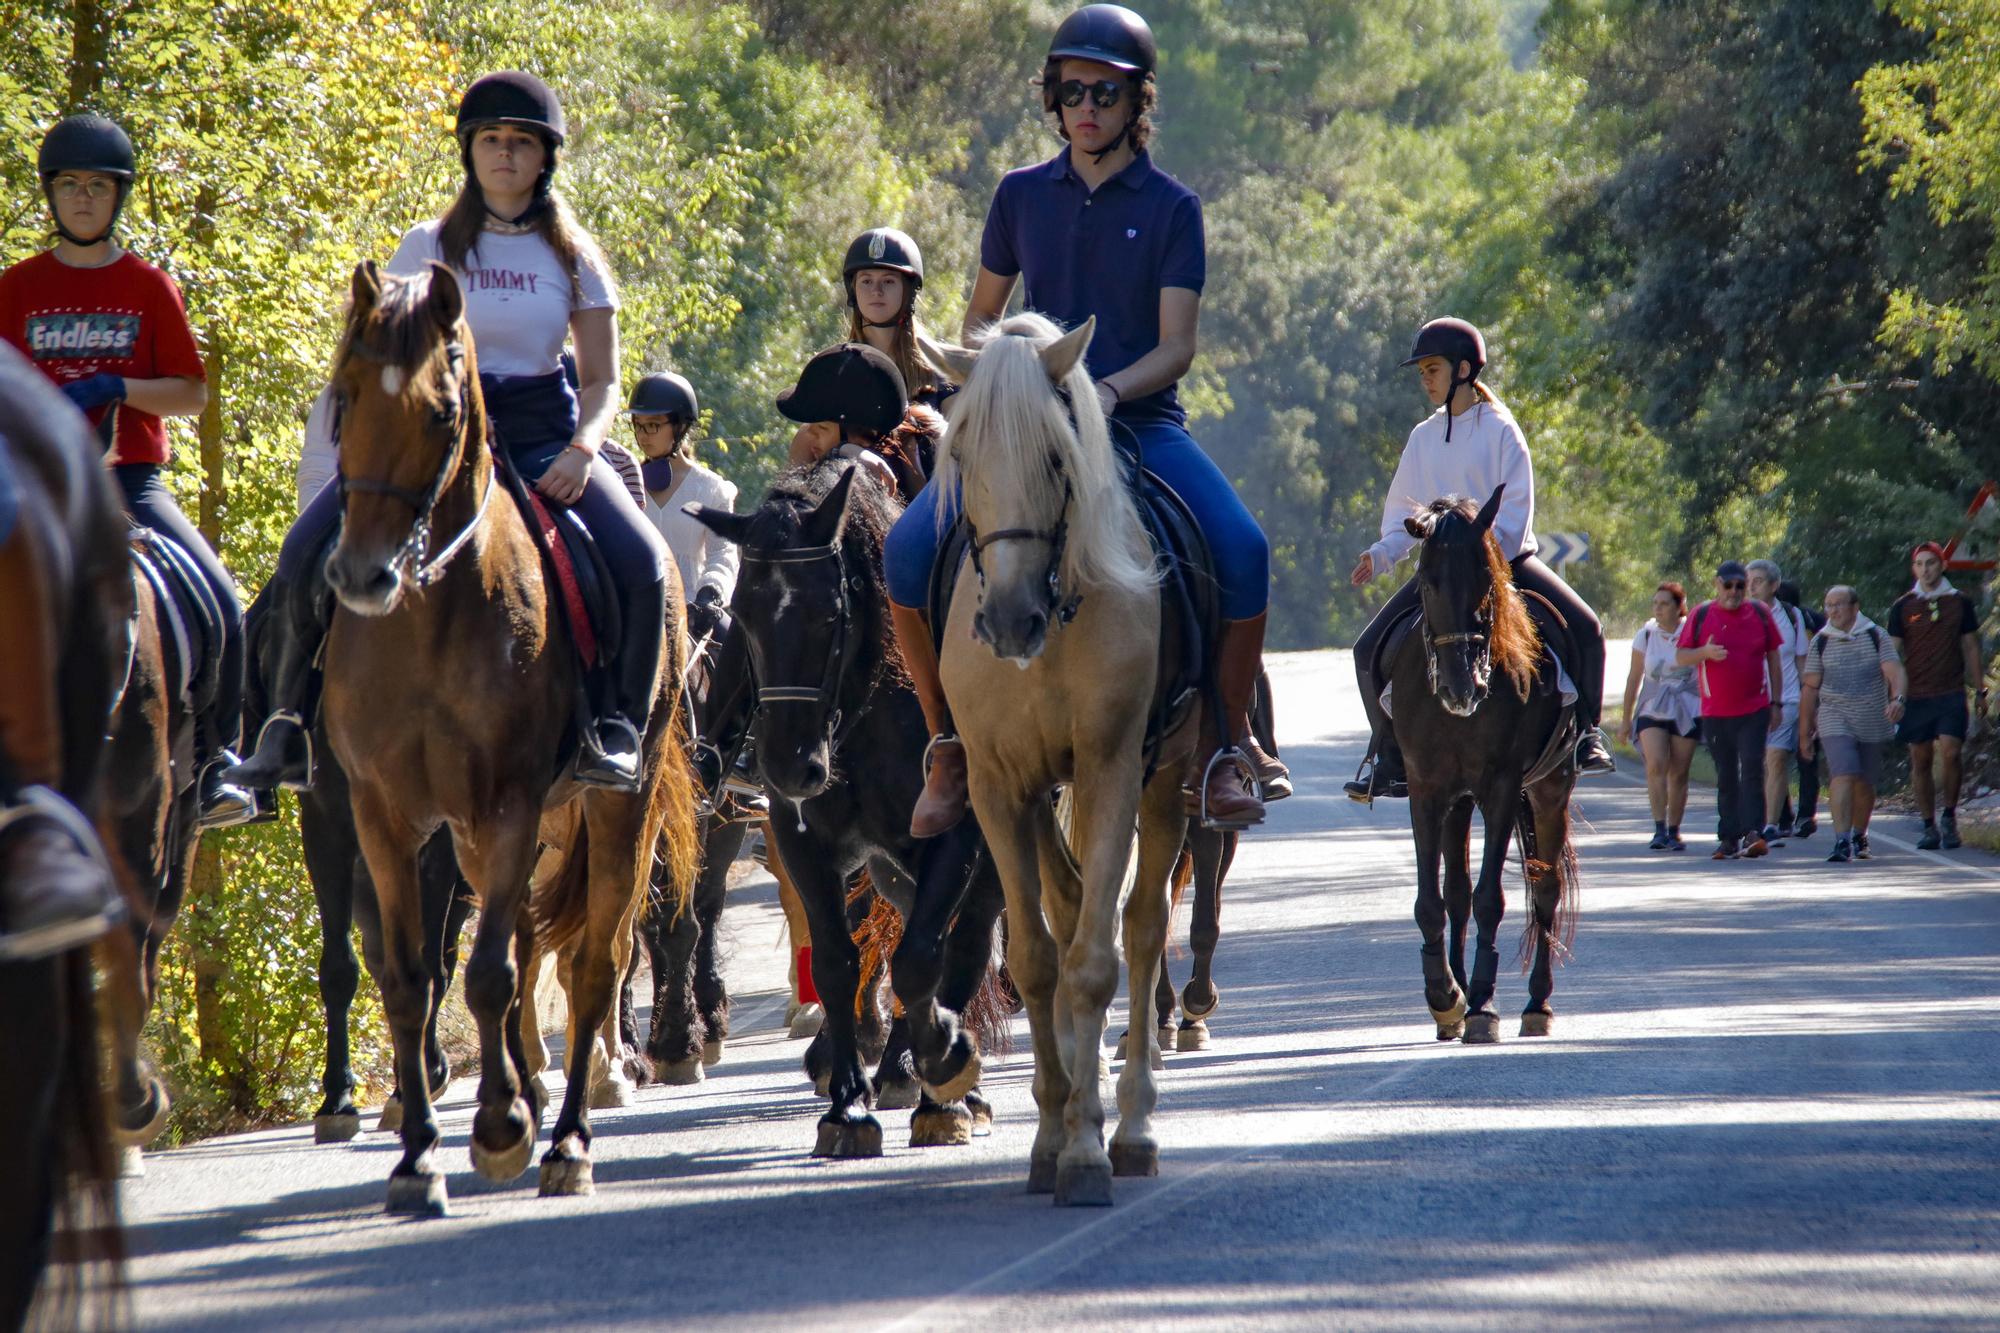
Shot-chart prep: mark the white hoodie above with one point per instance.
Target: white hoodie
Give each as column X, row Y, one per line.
column 1486, row 449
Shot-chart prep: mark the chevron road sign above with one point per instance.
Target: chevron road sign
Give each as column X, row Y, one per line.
column 1563, row 548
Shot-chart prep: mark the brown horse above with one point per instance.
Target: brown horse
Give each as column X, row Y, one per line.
column 449, row 680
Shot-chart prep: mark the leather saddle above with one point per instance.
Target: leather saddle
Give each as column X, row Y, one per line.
column 1190, row 599
column 191, row 625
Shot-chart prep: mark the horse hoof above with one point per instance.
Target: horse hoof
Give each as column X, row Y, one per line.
column 340, row 1127
column 822, row 1085
column 1042, row 1175
column 1083, row 1185
column 1166, row 1036
column 611, row 1092
column 639, row 1069
column 955, row 1088
column 941, row 1127
column 1159, row 1058
column 982, row 1114
column 1482, row 1029
column 1134, row 1159
column 131, row 1162
column 680, row 1073
column 898, row 1094
column 861, row 1137
column 504, row 1165
column 1192, row 1008
column 1451, row 1031
column 566, row 1171
column 711, row 1051
column 1192, row 1037
column 391, row 1119
column 138, row 1133
column 418, row 1196
column 806, row 1022
column 1535, row 1023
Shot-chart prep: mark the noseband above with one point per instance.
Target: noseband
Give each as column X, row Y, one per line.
column 1061, row 610
column 1482, row 665
column 824, row 694
column 410, row 561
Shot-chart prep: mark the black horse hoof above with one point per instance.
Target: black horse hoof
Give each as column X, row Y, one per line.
column 1087, row 1185
column 1536, row 1023
column 897, row 1094
column 982, row 1114
column 1135, row 1159
column 418, row 1196
column 941, row 1126
column 859, row 1137
column 336, row 1127
column 1482, row 1029
column 1042, row 1174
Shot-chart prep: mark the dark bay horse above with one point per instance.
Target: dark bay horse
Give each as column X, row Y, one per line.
column 1502, row 750
column 67, row 549
column 840, row 739
column 449, row 688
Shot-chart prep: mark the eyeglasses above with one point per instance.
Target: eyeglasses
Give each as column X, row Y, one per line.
column 1104, row 93
column 69, row 187
column 1731, row 585
column 652, row 427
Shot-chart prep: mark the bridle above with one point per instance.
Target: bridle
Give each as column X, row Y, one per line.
column 824, row 695
column 1061, row 609
column 1482, row 664
column 410, row 560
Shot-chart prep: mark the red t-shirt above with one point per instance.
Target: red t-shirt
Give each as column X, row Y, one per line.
column 126, row 318
column 1740, row 682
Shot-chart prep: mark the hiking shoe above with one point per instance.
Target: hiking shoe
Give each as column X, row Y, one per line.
column 1754, row 845
column 1805, row 827
column 1659, row 842
column 1949, row 827
column 1771, row 837
column 1861, row 851
column 1725, row 852
column 1783, row 829
column 1841, row 851
column 1929, row 841
column 1674, row 840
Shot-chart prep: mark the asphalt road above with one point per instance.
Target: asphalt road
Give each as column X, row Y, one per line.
column 1770, row 1099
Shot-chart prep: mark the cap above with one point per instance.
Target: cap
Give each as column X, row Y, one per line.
column 1731, row 569
column 851, row 383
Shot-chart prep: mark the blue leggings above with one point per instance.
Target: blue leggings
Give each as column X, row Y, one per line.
column 1242, row 555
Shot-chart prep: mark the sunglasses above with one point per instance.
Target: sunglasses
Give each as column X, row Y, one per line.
column 1105, row 93
column 1730, row 585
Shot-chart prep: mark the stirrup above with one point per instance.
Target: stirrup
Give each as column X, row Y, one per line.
column 36, row 801
column 591, row 768
column 942, row 738
column 305, row 732
column 1231, row 755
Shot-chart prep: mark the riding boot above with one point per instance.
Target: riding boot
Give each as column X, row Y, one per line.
column 220, row 802
column 612, row 750
column 1592, row 754
column 283, row 755
column 1382, row 771
column 1229, row 796
column 943, row 801
column 56, row 889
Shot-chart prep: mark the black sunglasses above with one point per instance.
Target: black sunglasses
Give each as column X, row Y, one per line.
column 1103, row 94
column 1730, row 585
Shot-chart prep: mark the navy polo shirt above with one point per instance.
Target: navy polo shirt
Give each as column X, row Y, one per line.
column 1106, row 254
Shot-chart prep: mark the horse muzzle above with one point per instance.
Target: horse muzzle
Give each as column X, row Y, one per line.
column 796, row 773
column 365, row 587
column 1017, row 636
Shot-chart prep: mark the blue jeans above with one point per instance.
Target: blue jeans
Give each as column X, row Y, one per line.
column 1242, row 555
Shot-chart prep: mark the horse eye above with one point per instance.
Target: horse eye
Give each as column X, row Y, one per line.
column 445, row 413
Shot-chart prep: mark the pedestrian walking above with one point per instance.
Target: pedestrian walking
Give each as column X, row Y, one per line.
column 1939, row 634
column 1734, row 647
column 1805, row 822
column 1781, row 744
column 1852, row 693
column 1663, row 714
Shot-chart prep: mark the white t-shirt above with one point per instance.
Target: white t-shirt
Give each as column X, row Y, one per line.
column 1486, row 449
column 518, row 297
column 703, row 557
column 1794, row 639
column 1667, row 689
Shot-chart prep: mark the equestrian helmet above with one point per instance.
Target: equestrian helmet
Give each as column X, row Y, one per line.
column 665, row 394
column 884, row 247
column 1110, row 35
column 512, row 97
column 86, row 143
column 1454, row 340
column 851, row 383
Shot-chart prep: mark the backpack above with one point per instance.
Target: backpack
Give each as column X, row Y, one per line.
column 1818, row 646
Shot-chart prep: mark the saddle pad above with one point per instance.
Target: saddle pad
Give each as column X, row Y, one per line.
column 190, row 619
column 553, row 541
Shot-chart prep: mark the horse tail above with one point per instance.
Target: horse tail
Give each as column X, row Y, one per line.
column 1568, row 870
column 988, row 1014
column 562, row 906
column 673, row 815
column 1177, row 882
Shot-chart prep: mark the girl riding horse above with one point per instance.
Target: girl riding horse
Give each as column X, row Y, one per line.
column 111, row 331
column 532, row 278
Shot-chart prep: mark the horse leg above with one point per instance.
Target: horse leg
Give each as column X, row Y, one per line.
column 1548, row 871
column 330, row 862
column 445, row 911
column 1029, row 854
column 1162, row 831
column 711, row 995
column 945, row 1055
column 1489, row 904
column 525, row 1048
column 417, row 1185
column 1200, row 998
column 1441, row 989
column 802, row 1018
column 846, row 1129
column 1457, row 839
column 675, row 1041
column 896, row 1085
column 496, row 858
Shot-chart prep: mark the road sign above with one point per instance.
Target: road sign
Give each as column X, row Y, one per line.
column 1977, row 545
column 1563, row 548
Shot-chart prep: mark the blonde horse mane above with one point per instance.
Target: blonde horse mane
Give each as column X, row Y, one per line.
column 1010, row 435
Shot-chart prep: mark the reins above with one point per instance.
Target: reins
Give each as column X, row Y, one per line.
column 824, row 694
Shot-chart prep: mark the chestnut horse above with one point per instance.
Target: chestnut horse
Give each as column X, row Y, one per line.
column 449, row 681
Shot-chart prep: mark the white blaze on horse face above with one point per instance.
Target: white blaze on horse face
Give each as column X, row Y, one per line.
column 392, row 380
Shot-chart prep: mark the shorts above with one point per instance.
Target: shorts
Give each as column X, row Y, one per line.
column 1927, row 719
column 1786, row 737
column 1668, row 725
column 1847, row 757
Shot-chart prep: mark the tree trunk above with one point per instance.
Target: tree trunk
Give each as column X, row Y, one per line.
column 89, row 51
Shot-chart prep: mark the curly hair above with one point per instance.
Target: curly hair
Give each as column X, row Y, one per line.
column 1145, row 97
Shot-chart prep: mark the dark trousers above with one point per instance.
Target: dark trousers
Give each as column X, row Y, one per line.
column 148, row 500
column 1808, row 791
column 1736, row 744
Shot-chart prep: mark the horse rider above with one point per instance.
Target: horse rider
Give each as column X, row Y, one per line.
column 884, row 275
column 1137, row 265
column 1468, row 446
column 532, row 278
column 111, row 331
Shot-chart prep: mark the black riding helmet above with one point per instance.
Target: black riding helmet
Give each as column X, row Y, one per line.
column 1456, row 341
column 665, row 394
column 86, row 143
column 851, row 383
column 885, row 247
column 1109, row 34
column 513, row 97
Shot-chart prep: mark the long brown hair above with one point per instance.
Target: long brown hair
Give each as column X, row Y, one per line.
column 464, row 222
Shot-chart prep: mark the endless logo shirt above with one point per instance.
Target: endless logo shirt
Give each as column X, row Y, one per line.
column 124, row 319
column 1930, row 629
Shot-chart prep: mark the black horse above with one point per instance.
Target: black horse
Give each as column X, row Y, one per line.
column 346, row 897
column 1509, row 751
column 839, row 738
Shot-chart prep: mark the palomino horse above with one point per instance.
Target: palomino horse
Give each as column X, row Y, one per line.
column 1508, row 751
column 65, row 563
column 1039, row 703
column 449, row 681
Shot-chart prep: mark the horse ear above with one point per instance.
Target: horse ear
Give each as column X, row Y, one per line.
column 822, row 526
column 731, row 527
column 367, row 289
column 447, row 301
column 954, row 363
column 1489, row 510
column 1061, row 356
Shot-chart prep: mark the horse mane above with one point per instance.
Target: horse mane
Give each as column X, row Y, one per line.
column 871, row 511
column 1515, row 644
column 1007, row 427
column 400, row 330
